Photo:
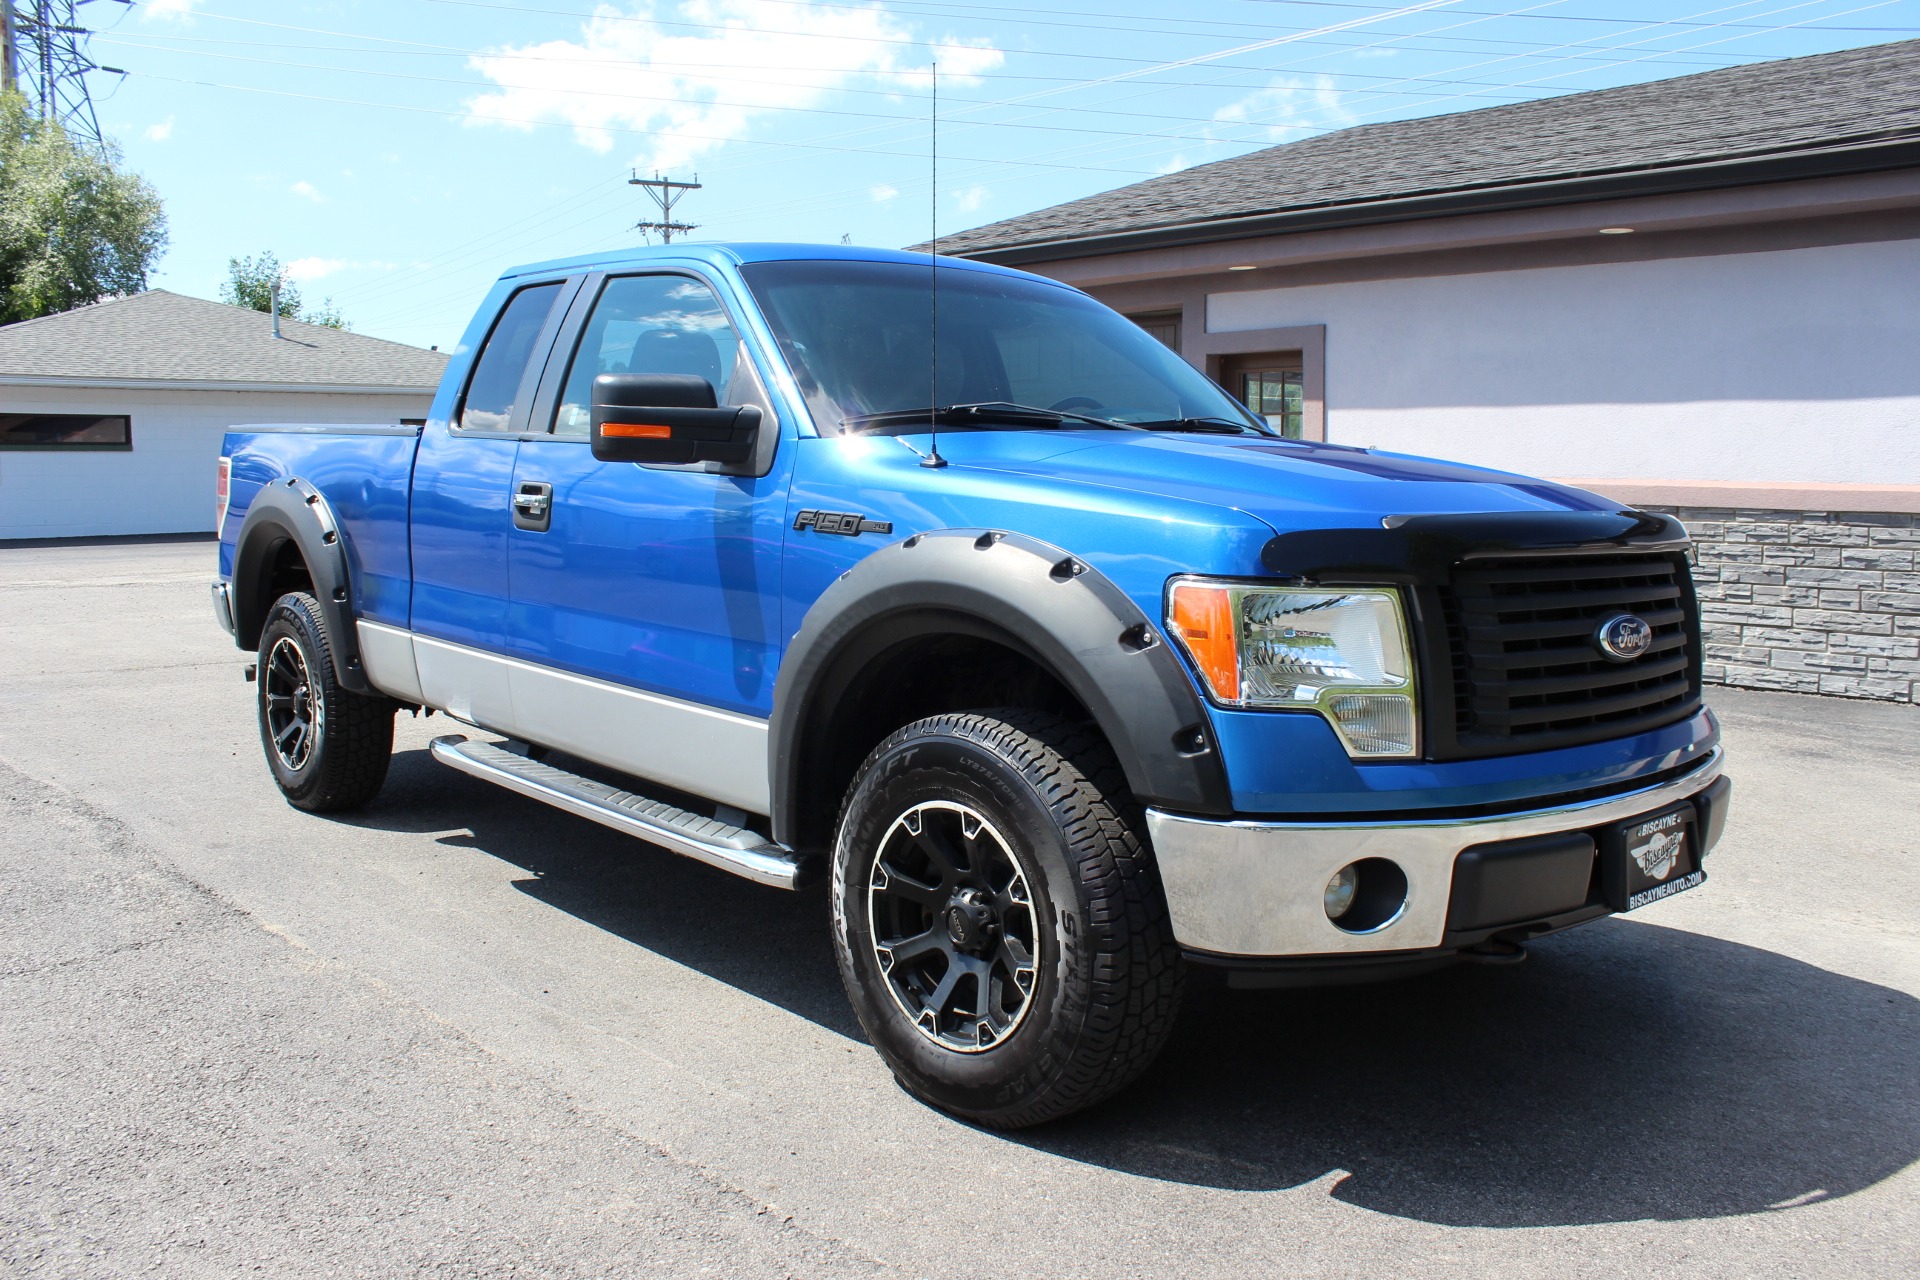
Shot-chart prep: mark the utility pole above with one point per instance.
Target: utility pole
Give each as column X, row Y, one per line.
column 666, row 193
column 46, row 59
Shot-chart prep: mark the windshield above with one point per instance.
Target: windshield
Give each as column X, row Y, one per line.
column 856, row 335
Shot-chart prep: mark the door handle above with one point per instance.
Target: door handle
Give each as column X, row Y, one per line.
column 533, row 506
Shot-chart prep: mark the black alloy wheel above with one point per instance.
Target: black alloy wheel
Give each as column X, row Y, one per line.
column 952, row 926
column 293, row 709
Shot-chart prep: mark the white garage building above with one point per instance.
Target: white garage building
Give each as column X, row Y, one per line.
column 111, row 415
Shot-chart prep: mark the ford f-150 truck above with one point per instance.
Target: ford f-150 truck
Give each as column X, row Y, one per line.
column 949, row 586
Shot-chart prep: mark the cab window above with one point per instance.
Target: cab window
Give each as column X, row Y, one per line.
column 652, row 324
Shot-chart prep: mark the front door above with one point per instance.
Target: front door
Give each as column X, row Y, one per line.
column 655, row 589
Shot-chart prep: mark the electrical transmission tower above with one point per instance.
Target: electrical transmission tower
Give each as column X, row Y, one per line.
column 43, row 54
column 666, row 193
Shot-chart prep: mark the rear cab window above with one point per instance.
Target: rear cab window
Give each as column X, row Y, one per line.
column 500, row 374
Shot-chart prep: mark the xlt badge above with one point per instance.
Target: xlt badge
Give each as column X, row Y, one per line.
column 850, row 523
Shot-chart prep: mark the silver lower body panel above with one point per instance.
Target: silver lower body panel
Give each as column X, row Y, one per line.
column 1255, row 888
column 705, row 751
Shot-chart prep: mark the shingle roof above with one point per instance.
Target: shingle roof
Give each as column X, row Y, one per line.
column 159, row 336
column 1793, row 105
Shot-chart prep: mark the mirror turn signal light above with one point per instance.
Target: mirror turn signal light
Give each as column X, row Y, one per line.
column 637, row 430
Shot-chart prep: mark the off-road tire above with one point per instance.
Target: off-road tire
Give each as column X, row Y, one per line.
column 350, row 735
column 1109, row 974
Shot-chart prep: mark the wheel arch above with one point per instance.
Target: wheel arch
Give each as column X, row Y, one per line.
column 1020, row 596
column 289, row 529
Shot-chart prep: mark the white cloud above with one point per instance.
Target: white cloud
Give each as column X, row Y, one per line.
column 1381, row 51
column 970, row 199
column 697, row 90
column 883, row 193
column 1289, row 107
column 307, row 191
column 159, row 132
column 306, row 270
column 168, row 10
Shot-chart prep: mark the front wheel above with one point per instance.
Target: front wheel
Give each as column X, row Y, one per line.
column 328, row 747
column 999, row 923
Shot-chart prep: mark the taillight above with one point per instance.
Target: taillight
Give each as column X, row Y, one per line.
column 220, row 487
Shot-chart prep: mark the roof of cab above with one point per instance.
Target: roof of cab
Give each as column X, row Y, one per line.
column 737, row 254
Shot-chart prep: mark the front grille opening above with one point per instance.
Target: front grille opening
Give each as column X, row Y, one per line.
column 1527, row 674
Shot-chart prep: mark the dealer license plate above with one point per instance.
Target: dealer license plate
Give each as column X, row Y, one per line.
column 1651, row 858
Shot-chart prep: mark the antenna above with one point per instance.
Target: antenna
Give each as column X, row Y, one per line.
column 43, row 54
column 666, row 193
column 933, row 458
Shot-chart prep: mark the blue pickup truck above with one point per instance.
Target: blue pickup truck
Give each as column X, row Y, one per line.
column 948, row 586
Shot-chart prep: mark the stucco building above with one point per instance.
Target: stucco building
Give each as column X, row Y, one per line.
column 111, row 415
column 1700, row 294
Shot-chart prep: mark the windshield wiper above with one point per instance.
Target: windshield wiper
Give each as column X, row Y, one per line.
column 1225, row 426
column 985, row 410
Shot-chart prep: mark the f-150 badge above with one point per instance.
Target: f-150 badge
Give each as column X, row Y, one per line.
column 850, row 523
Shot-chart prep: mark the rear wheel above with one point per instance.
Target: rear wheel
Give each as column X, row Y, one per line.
column 998, row 921
column 328, row 747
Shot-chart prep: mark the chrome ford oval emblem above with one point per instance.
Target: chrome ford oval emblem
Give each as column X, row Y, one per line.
column 1623, row 637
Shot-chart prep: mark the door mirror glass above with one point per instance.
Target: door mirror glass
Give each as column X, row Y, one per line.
column 668, row 419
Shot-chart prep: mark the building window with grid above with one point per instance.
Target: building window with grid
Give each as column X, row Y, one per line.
column 1278, row 395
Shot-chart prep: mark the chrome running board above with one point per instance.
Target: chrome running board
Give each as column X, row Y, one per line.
column 718, row 844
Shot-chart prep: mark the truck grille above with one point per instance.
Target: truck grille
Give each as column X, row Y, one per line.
column 1525, row 671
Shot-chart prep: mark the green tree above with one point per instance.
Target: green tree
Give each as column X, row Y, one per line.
column 74, row 227
column 250, row 283
column 327, row 316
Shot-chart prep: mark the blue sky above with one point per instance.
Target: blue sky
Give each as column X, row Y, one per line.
column 399, row 153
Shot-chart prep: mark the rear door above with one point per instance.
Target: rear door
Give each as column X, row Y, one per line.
column 656, row 589
column 462, row 505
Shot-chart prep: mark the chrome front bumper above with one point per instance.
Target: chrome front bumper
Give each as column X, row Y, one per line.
column 1255, row 888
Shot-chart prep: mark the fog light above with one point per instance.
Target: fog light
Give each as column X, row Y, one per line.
column 1340, row 891
column 1375, row 724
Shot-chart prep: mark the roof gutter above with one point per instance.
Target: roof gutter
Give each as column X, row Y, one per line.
column 1825, row 162
column 81, row 383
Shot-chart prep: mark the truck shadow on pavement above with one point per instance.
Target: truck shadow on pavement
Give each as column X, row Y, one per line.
column 1626, row 1071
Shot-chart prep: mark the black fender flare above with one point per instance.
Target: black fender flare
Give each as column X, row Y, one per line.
column 292, row 510
column 1064, row 614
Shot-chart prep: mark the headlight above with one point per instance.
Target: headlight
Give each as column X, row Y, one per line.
column 1342, row 652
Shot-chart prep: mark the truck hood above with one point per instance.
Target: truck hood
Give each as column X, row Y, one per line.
column 1288, row 484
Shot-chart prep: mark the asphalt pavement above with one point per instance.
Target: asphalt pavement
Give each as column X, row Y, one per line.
column 460, row 1033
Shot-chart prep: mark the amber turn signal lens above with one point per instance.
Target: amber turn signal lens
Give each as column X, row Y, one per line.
column 1203, row 618
column 637, row 430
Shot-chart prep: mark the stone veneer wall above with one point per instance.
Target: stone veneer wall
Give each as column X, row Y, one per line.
column 1809, row 601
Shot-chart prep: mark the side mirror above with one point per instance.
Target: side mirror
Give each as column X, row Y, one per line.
column 668, row 418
